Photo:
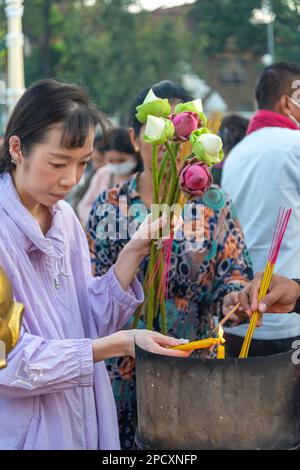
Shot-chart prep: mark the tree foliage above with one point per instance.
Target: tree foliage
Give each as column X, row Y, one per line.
column 116, row 53
column 230, row 19
column 112, row 51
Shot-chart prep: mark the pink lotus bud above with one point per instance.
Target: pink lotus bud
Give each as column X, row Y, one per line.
column 185, row 123
column 195, row 178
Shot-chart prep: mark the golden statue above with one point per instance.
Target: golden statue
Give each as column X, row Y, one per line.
column 10, row 318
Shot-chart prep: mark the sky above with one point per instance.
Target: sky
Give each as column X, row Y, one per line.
column 152, row 4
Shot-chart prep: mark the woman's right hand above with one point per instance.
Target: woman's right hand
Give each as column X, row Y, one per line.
column 123, row 343
column 157, row 343
column 281, row 297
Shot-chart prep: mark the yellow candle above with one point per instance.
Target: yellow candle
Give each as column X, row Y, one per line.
column 201, row 344
column 221, row 352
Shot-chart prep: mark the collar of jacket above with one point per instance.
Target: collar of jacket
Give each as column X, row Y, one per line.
column 31, row 236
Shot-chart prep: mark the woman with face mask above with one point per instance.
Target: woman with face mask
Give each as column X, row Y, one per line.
column 55, row 391
column 200, row 276
column 122, row 162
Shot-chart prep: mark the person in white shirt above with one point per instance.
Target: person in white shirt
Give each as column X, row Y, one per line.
column 262, row 174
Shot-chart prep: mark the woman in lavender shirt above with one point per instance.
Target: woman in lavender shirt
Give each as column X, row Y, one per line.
column 55, row 392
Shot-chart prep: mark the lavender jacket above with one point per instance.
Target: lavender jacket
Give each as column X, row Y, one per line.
column 52, row 396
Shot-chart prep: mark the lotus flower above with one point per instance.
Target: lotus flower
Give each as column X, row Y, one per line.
column 158, row 130
column 192, row 107
column 153, row 106
column 195, row 178
column 207, row 146
column 184, row 124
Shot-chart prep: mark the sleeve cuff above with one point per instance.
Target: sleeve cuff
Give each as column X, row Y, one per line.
column 134, row 295
column 86, row 363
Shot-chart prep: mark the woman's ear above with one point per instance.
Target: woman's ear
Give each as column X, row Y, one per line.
column 15, row 149
column 134, row 140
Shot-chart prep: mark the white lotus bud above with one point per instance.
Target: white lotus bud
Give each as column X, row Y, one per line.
column 212, row 143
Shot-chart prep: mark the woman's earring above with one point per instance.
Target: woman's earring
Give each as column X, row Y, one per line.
column 12, row 159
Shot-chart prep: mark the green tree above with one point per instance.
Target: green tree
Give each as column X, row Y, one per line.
column 42, row 22
column 2, row 39
column 287, row 29
column 230, row 19
column 112, row 51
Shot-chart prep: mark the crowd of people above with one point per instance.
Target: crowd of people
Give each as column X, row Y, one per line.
column 62, row 170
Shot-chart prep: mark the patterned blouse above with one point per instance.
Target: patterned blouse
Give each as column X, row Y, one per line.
column 198, row 279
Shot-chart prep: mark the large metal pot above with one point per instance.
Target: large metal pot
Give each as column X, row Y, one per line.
column 234, row 403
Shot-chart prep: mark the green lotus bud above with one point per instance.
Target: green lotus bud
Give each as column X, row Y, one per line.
column 153, row 106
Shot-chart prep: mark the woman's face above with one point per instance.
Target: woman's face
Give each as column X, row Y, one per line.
column 50, row 171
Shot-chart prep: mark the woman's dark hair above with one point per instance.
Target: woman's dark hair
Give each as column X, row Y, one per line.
column 45, row 104
column 232, row 130
column 164, row 89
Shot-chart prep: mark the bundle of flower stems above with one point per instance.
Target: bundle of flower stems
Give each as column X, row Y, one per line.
column 281, row 225
column 183, row 174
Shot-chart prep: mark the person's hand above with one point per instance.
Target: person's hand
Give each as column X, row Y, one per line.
column 136, row 249
column 148, row 230
column 122, row 343
column 157, row 343
column 229, row 302
column 281, row 297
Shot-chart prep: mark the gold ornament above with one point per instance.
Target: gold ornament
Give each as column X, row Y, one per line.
column 11, row 314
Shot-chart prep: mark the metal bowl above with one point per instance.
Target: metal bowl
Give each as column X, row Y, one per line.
column 234, row 403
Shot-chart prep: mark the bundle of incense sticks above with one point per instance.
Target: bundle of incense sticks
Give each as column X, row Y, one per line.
column 280, row 228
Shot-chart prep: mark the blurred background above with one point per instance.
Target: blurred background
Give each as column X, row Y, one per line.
column 215, row 48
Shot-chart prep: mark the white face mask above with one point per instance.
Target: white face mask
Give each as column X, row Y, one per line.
column 122, row 169
column 291, row 116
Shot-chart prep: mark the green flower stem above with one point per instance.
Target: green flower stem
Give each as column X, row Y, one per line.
column 177, row 195
column 162, row 168
column 166, row 188
column 162, row 306
column 156, row 297
column 174, row 175
column 163, row 317
column 155, row 179
column 151, row 293
column 137, row 314
column 153, row 252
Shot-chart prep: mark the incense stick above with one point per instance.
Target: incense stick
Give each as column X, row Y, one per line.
column 221, row 323
column 280, row 228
